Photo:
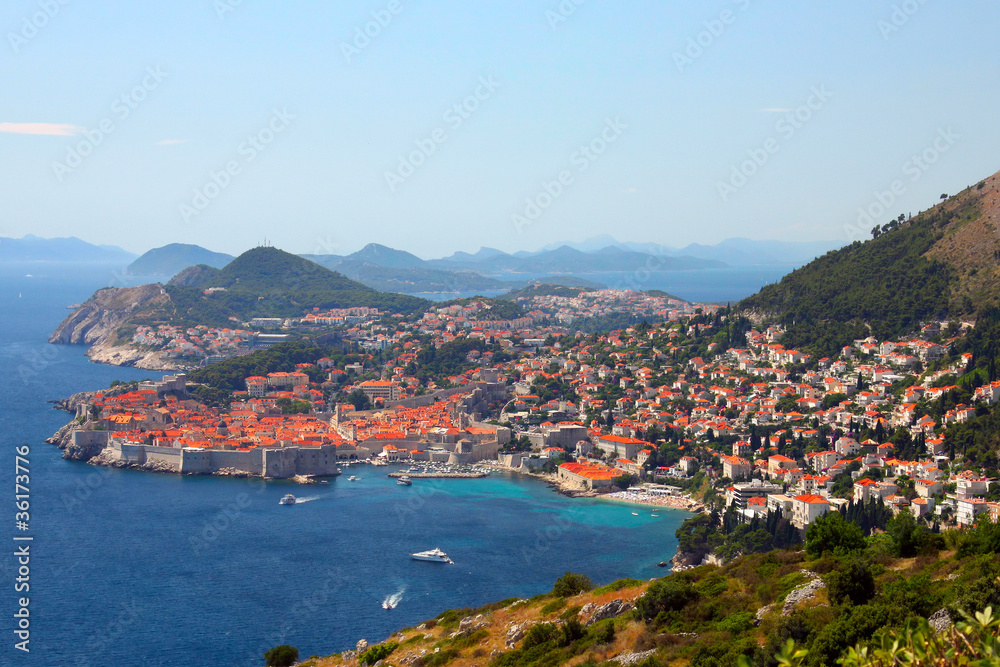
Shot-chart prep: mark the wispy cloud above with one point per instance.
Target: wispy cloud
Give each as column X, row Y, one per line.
column 775, row 110
column 172, row 142
column 49, row 129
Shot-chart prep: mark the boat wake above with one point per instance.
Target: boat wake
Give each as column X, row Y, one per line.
column 391, row 601
column 299, row 501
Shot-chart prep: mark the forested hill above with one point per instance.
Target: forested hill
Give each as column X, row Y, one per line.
column 942, row 263
column 268, row 282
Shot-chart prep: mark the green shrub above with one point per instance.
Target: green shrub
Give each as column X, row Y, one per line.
column 713, row 585
column 605, row 632
column 618, row 585
column 570, row 613
column 440, row 658
column 553, row 606
column 377, row 652
column 833, row 534
column 472, row 639
column 670, row 594
column 854, row 583
column 539, row 634
column 571, row 584
column 736, row 623
column 281, row 656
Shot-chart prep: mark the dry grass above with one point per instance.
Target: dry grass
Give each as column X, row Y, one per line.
column 970, row 244
column 501, row 619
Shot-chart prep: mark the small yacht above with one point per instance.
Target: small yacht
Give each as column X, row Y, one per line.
column 635, row 514
column 287, row 499
column 323, row 481
column 352, row 478
column 404, row 480
column 434, row 556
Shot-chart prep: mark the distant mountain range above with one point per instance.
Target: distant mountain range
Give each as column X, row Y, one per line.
column 734, row 251
column 174, row 258
column 31, row 248
column 487, row 270
column 491, row 269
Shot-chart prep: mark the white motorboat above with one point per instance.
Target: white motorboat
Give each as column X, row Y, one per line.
column 434, row 556
column 404, row 480
column 352, row 478
column 287, row 499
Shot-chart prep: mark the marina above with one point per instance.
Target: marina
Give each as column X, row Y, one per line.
column 442, row 471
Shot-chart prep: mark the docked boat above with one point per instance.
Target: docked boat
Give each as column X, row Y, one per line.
column 404, row 480
column 434, row 556
column 287, row 499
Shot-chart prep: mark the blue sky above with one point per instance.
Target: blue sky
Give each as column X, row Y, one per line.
column 236, row 121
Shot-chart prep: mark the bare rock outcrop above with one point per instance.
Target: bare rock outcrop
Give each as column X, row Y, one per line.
column 99, row 317
column 516, row 633
column 940, row 620
column 804, row 592
column 613, row 609
column 97, row 320
column 633, row 658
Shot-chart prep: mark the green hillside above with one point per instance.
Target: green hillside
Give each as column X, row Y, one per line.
column 911, row 271
column 267, row 282
column 842, row 591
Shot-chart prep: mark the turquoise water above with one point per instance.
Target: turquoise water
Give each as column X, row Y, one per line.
column 133, row 568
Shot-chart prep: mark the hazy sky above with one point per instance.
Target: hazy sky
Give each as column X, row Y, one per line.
column 454, row 125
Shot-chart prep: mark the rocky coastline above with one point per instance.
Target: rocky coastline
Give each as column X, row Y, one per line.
column 96, row 322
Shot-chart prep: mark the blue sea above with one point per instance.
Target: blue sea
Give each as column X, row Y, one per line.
column 132, row 568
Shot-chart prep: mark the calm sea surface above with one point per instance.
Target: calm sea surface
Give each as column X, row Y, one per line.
column 131, row 568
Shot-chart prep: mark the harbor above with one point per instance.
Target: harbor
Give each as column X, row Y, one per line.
column 442, row 471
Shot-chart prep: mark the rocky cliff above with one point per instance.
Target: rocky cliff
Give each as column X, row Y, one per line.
column 97, row 320
column 96, row 323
